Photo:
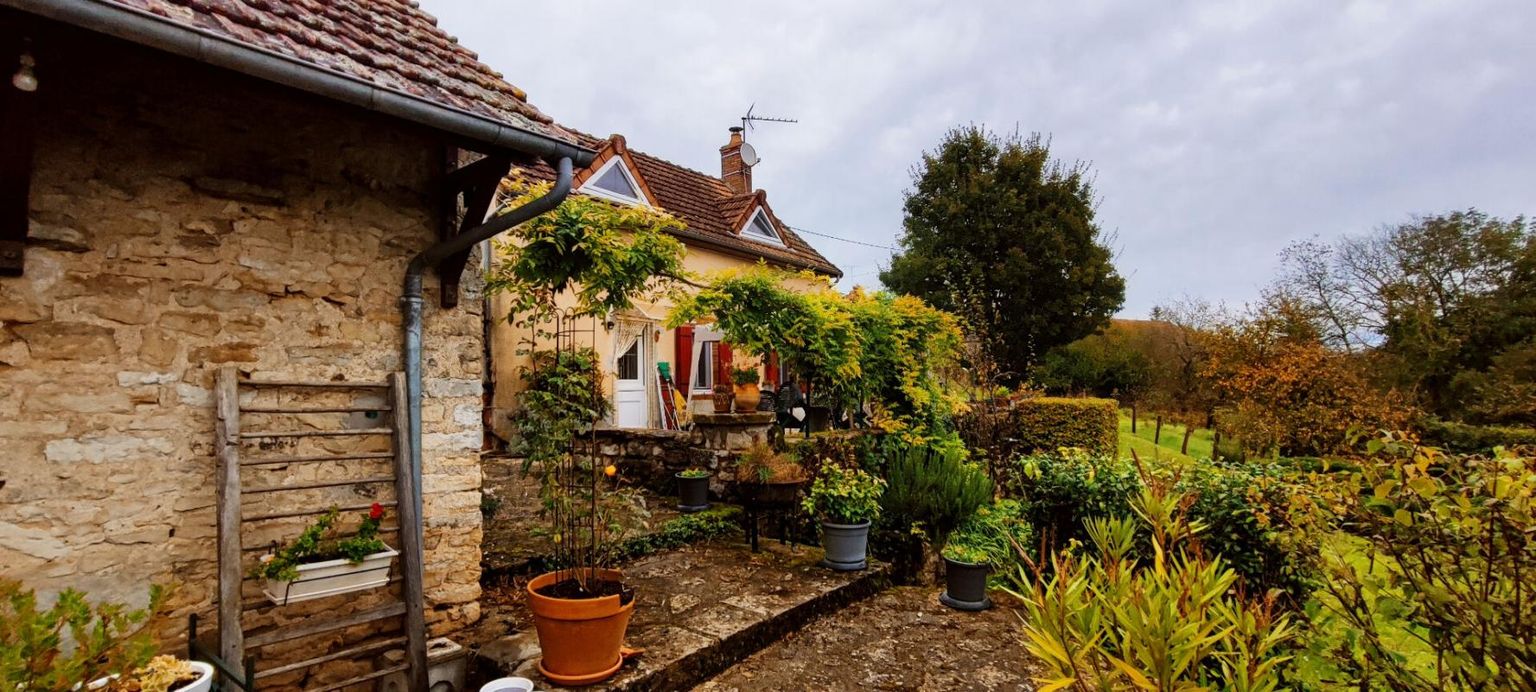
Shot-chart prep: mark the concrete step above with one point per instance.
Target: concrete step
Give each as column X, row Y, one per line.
column 701, row 609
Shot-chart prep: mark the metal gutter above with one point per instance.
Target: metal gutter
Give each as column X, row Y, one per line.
column 151, row 30
column 411, row 302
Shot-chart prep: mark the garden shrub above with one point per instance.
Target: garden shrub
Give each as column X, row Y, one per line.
column 997, row 534
column 1465, row 438
column 1246, row 509
column 1046, row 424
column 1062, row 491
column 1107, row 618
column 931, row 489
column 1452, row 540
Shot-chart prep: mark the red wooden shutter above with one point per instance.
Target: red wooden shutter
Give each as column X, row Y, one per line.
column 723, row 364
column 682, row 346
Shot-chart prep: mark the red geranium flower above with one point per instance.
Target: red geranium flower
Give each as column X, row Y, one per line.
column 376, row 512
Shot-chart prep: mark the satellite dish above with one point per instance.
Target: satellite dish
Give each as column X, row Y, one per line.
column 748, row 154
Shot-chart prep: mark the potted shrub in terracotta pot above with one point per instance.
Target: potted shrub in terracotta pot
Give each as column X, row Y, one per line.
column 692, row 490
column 846, row 501
column 988, row 539
column 320, row 562
column 748, row 396
column 608, row 257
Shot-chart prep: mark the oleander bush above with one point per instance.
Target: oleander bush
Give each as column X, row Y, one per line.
column 1114, row 615
column 1248, row 510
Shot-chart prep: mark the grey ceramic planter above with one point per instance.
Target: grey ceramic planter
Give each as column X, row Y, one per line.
column 846, row 546
column 965, row 585
column 692, row 493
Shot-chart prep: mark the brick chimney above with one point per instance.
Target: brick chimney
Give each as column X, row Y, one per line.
column 737, row 175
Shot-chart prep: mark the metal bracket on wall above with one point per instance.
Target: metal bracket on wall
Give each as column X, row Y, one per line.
column 476, row 184
column 18, row 112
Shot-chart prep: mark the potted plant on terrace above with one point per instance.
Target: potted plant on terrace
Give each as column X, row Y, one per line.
column 748, row 396
column 109, row 646
column 692, row 490
column 320, row 563
column 987, row 539
column 604, row 256
column 846, row 501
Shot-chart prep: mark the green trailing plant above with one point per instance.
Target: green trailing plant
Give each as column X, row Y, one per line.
column 878, row 349
column 319, row 542
column 607, row 255
column 562, row 397
column 931, row 489
column 844, row 496
column 996, row 534
column 1104, row 619
column 562, row 270
column 694, row 473
column 745, row 376
column 72, row 642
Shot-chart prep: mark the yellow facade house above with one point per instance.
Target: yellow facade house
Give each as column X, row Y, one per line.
column 728, row 225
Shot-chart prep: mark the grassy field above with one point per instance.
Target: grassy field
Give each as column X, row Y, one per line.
column 1165, row 448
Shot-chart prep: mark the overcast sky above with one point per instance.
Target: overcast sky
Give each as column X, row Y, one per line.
column 1218, row 131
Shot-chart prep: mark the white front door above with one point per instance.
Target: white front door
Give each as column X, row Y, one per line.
column 630, row 408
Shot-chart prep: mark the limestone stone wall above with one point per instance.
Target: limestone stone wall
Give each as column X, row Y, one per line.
column 185, row 218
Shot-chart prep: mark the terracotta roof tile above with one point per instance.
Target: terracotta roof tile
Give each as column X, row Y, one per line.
column 390, row 43
column 712, row 211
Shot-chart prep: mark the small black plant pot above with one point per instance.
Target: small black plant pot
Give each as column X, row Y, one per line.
column 692, row 493
column 820, row 418
column 965, row 586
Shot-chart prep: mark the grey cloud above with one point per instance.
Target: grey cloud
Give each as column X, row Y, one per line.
column 1219, row 131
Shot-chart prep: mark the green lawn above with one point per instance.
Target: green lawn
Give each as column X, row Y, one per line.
column 1166, row 448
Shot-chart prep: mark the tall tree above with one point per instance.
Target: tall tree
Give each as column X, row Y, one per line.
column 1445, row 304
column 1001, row 234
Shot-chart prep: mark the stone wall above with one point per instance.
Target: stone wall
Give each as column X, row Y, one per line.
column 185, row 218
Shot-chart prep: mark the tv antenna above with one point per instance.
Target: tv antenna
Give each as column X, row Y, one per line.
column 749, row 118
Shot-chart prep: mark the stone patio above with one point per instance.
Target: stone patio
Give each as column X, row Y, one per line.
column 701, row 609
column 901, row 639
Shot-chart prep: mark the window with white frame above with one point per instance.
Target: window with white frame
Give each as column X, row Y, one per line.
column 704, row 355
column 761, row 229
column 615, row 182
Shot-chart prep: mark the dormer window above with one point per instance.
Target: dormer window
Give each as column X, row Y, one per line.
column 761, row 229
column 614, row 182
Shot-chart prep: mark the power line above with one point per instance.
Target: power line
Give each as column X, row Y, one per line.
column 846, row 240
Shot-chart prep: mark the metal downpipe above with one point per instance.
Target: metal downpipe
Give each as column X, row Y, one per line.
column 411, row 307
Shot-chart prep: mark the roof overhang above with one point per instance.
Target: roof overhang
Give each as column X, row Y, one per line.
column 157, row 32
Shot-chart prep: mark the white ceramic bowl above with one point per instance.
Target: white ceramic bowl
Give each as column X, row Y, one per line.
column 508, row 685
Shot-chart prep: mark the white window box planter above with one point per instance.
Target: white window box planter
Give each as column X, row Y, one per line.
column 321, row 579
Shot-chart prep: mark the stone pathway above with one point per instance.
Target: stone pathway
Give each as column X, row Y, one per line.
column 701, row 609
column 901, row 639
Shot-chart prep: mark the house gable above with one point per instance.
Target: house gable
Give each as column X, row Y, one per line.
column 614, row 176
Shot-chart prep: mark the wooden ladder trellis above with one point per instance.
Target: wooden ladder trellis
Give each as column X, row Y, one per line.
column 235, row 559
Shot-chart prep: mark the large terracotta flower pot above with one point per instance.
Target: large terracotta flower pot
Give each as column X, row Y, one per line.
column 747, row 397
column 581, row 638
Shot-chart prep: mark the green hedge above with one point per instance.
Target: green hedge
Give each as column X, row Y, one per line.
column 1473, row 439
column 1042, row 426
